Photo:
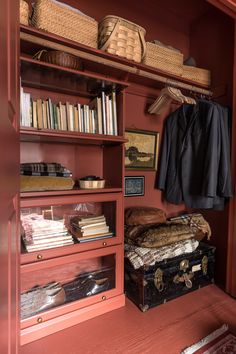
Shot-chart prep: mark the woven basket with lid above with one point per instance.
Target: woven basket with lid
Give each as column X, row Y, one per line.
column 198, row 75
column 57, row 18
column 121, row 37
column 164, row 58
column 24, row 13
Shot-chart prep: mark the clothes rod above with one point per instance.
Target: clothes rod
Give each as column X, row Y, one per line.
column 132, row 70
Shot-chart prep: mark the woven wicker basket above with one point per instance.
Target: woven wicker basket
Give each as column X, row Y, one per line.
column 24, row 13
column 121, row 37
column 164, row 58
column 91, row 184
column 57, row 18
column 59, row 58
column 200, row 76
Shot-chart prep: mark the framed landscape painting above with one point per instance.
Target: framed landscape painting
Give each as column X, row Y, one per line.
column 141, row 150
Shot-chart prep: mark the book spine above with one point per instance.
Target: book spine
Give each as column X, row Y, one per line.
column 103, row 102
column 114, row 113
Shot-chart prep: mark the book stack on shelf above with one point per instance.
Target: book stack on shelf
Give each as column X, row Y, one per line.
column 40, row 233
column 90, row 228
column 97, row 117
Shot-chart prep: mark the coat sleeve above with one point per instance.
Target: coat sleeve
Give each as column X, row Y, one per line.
column 224, row 188
column 165, row 154
column 212, row 152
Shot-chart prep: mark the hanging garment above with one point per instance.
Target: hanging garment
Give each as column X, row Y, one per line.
column 195, row 160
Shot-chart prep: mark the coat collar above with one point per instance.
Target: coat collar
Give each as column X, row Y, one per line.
column 187, row 115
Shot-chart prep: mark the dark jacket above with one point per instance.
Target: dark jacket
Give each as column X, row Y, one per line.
column 195, row 160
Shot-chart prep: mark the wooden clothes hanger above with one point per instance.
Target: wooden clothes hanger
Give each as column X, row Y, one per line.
column 167, row 95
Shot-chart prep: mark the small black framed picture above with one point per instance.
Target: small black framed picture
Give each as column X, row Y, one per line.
column 134, row 186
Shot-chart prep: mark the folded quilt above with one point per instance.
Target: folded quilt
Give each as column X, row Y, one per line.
column 139, row 256
column 52, row 174
column 41, row 183
column 42, row 167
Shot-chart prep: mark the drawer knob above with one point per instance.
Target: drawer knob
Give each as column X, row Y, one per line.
column 104, row 244
column 39, row 256
column 39, row 320
column 104, row 297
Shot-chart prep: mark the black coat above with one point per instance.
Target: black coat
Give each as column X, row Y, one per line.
column 195, row 160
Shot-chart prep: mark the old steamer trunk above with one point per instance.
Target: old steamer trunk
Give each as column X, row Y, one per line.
column 153, row 285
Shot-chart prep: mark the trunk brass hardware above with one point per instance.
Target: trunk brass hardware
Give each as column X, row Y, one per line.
column 185, row 278
column 158, row 280
column 204, row 265
column 184, row 264
column 143, row 308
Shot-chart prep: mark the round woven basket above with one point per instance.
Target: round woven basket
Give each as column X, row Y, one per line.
column 59, row 58
column 91, row 184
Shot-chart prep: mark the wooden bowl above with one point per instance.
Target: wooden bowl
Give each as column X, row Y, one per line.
column 91, row 184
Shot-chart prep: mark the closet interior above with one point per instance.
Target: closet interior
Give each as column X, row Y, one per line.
column 199, row 30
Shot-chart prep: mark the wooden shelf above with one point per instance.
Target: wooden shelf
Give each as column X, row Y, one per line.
column 68, row 137
column 42, row 75
column 98, row 61
column 69, row 192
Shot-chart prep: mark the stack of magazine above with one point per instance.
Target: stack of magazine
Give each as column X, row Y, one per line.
column 90, row 228
column 40, row 233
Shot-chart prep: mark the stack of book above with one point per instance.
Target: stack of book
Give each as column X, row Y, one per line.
column 90, row 228
column 40, row 233
column 97, row 117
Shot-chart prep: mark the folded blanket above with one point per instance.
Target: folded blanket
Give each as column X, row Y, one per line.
column 198, row 224
column 139, row 256
column 39, row 183
column 159, row 235
column 43, row 167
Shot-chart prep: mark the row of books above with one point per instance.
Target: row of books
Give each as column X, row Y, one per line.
column 90, row 228
column 98, row 117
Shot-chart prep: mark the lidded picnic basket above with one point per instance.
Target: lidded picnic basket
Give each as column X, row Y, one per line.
column 164, row 57
column 24, row 13
column 121, row 37
column 63, row 20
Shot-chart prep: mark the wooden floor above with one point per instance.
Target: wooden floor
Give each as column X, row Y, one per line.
column 165, row 329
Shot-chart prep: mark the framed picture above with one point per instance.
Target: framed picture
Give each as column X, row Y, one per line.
column 134, row 186
column 141, row 150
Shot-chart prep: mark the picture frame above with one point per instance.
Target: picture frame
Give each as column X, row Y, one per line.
column 134, row 186
column 141, row 149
